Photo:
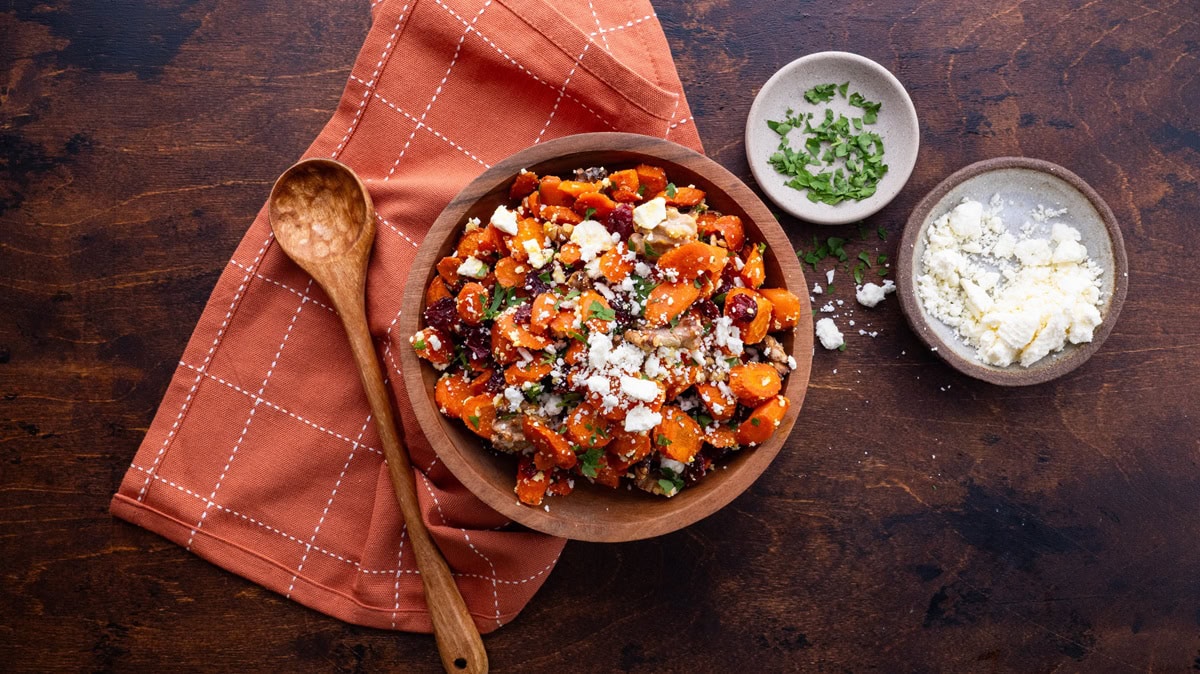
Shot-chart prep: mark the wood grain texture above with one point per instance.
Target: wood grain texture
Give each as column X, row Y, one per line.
column 917, row 520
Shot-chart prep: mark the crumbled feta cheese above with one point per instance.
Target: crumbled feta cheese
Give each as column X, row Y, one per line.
column 592, row 238
column 1011, row 310
column 829, row 276
column 641, row 419
column 472, row 268
column 870, row 294
column 672, row 465
column 643, row 390
column 504, row 220
column 650, row 214
column 828, row 333
column 817, row 289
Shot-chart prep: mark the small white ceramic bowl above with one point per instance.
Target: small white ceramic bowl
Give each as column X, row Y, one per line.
column 897, row 126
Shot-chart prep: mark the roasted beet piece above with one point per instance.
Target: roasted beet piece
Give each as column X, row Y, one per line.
column 523, row 313
column 478, row 342
column 495, row 383
column 442, row 315
column 741, row 308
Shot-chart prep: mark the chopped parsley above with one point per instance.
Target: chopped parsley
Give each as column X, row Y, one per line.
column 662, row 441
column 671, row 482
column 589, row 462
column 419, row 344
column 754, row 421
column 587, row 215
column 671, row 190
column 597, row 310
column 836, row 138
column 474, row 419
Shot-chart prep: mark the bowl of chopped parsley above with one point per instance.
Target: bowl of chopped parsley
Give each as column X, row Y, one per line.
column 832, row 137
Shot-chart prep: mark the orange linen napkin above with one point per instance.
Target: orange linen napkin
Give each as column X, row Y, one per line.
column 262, row 457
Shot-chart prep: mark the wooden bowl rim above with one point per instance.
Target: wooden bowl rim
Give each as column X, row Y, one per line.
column 1012, row 375
column 699, row 502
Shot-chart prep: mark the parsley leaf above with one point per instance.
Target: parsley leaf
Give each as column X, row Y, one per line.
column 587, row 215
column 597, row 310
column 671, row 190
column 820, row 93
column 589, row 462
column 419, row 344
column 474, row 419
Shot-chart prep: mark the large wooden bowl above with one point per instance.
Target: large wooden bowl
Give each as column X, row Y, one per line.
column 591, row 512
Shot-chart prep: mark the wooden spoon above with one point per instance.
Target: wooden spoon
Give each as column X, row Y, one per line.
column 323, row 219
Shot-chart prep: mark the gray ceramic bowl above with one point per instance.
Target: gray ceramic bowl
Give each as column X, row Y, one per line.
column 897, row 126
column 1023, row 184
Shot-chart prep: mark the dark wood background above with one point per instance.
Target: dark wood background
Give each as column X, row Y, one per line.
column 917, row 520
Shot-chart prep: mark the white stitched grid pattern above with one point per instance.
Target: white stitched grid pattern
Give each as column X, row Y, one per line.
column 329, row 553
column 437, row 92
column 599, row 28
column 525, row 70
column 207, row 359
column 563, row 90
column 362, row 105
column 422, row 125
column 253, row 408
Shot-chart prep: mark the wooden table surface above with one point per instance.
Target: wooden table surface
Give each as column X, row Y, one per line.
column 916, row 521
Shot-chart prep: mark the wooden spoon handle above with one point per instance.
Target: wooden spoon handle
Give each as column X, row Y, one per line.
column 458, row 640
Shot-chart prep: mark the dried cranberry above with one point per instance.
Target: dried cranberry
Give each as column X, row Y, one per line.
column 535, row 285
column 442, row 315
column 523, row 313
column 707, row 310
column 622, row 315
column 495, row 383
column 728, row 274
column 741, row 308
column 620, row 221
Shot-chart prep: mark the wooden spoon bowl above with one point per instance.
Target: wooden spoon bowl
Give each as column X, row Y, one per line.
column 595, row 513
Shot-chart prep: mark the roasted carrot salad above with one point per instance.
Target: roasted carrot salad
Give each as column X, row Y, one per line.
column 608, row 326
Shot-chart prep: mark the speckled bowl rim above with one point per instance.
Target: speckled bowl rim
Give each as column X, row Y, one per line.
column 1013, row 375
column 846, row 211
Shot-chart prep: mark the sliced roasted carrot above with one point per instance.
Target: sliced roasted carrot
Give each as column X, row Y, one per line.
column 437, row 290
column 721, row 437
column 754, row 383
column 518, row 335
column 754, row 330
column 577, row 187
column 627, row 448
column 595, row 311
column 542, row 313
column 599, row 205
column 528, row 230
column 532, row 204
column 450, row 392
column 479, row 414
column 447, row 268
column 785, row 308
column 680, row 378
column 587, row 428
column 576, row 351
column 569, row 253
column 693, row 258
column 678, row 436
column 721, row 403
column 563, row 325
column 754, row 272
column 668, row 301
column 433, row 345
column 479, row 243
column 614, row 265
column 551, row 192
column 625, row 181
column 762, row 422
column 531, row 372
column 652, row 178
column 523, row 185
column 471, row 302
column 727, row 228
column 684, row 197
column 479, row 383
column 606, row 474
column 511, row 272
column 561, row 215
column 548, row 443
column 504, row 351
column 531, row 482
column 560, row 485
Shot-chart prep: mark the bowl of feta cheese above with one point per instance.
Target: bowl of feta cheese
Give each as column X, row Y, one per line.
column 594, row 510
column 1013, row 271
